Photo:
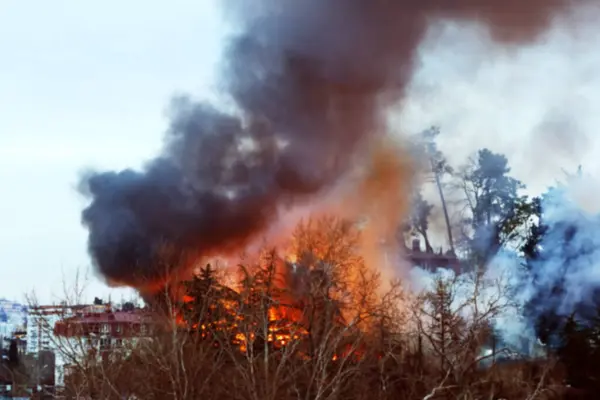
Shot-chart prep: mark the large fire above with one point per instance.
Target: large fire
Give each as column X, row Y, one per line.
column 292, row 294
column 283, row 321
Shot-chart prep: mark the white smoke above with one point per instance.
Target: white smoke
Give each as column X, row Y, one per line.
column 492, row 295
column 571, row 249
column 564, row 280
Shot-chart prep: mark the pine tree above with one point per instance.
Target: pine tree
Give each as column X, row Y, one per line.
column 446, row 326
column 203, row 309
column 491, row 196
column 261, row 297
column 574, row 351
column 579, row 352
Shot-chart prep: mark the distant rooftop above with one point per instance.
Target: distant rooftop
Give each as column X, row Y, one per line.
column 430, row 259
column 131, row 317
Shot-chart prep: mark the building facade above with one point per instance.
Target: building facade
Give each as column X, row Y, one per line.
column 100, row 334
column 41, row 337
column 105, row 330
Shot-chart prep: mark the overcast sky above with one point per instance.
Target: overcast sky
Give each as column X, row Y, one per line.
column 86, row 84
column 83, row 84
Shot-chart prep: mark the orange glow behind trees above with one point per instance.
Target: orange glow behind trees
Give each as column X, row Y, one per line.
column 321, row 283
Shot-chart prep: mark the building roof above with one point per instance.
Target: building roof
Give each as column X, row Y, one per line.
column 129, row 317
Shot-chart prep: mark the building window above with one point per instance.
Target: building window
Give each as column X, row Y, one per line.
column 143, row 329
column 104, row 343
column 118, row 328
column 105, row 328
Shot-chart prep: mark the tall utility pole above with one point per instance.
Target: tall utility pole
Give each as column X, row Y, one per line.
column 38, row 360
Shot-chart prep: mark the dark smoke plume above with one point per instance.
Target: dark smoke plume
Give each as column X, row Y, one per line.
column 309, row 79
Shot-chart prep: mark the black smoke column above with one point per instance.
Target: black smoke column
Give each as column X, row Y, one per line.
column 310, row 78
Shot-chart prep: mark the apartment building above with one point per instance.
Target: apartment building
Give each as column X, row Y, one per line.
column 105, row 330
column 101, row 333
column 41, row 338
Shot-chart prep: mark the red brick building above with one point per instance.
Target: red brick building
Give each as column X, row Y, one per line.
column 104, row 330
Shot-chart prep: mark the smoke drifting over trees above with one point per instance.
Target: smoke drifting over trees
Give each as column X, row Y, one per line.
column 545, row 249
column 309, row 81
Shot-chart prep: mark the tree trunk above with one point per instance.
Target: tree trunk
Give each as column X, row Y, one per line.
column 428, row 248
column 438, row 183
column 443, row 342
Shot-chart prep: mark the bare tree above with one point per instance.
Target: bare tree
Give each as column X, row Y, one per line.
column 456, row 318
column 310, row 323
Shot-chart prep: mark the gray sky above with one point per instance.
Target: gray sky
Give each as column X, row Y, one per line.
column 85, row 84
